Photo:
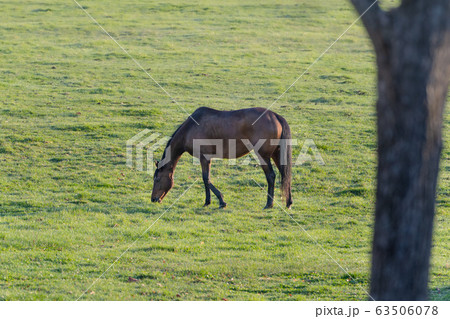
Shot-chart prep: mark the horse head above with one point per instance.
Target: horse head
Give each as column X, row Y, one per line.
column 162, row 182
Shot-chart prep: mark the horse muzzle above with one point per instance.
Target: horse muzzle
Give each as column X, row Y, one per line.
column 159, row 200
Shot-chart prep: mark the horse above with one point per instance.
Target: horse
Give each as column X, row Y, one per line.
column 233, row 135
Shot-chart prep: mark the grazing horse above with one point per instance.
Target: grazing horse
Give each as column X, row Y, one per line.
column 234, row 134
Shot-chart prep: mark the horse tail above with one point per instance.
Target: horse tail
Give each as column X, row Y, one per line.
column 285, row 159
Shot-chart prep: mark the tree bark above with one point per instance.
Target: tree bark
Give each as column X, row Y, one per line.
column 412, row 45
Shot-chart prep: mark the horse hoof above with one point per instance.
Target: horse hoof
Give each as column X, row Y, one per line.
column 223, row 205
column 268, row 206
column 206, row 204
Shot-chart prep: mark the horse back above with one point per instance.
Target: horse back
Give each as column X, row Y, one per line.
column 251, row 123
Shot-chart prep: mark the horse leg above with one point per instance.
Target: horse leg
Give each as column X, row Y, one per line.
column 276, row 159
column 206, row 167
column 270, row 176
column 219, row 195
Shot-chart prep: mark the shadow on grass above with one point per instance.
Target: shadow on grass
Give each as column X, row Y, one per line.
column 141, row 210
column 20, row 208
column 440, row 294
column 208, row 210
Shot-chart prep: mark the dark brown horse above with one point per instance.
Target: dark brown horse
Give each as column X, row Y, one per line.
column 228, row 134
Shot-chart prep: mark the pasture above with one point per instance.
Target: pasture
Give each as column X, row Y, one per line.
column 71, row 98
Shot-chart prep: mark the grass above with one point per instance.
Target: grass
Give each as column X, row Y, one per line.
column 69, row 206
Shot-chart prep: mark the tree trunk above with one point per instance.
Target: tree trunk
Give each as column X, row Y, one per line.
column 412, row 45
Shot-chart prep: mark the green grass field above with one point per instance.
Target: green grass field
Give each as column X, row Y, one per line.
column 71, row 98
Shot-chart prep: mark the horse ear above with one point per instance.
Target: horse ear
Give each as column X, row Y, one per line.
column 156, row 164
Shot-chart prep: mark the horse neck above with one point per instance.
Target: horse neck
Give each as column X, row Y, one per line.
column 176, row 150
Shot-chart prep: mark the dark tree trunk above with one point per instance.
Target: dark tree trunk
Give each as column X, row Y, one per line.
column 412, row 45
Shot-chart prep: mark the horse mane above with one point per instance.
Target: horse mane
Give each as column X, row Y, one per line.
column 170, row 141
column 187, row 124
